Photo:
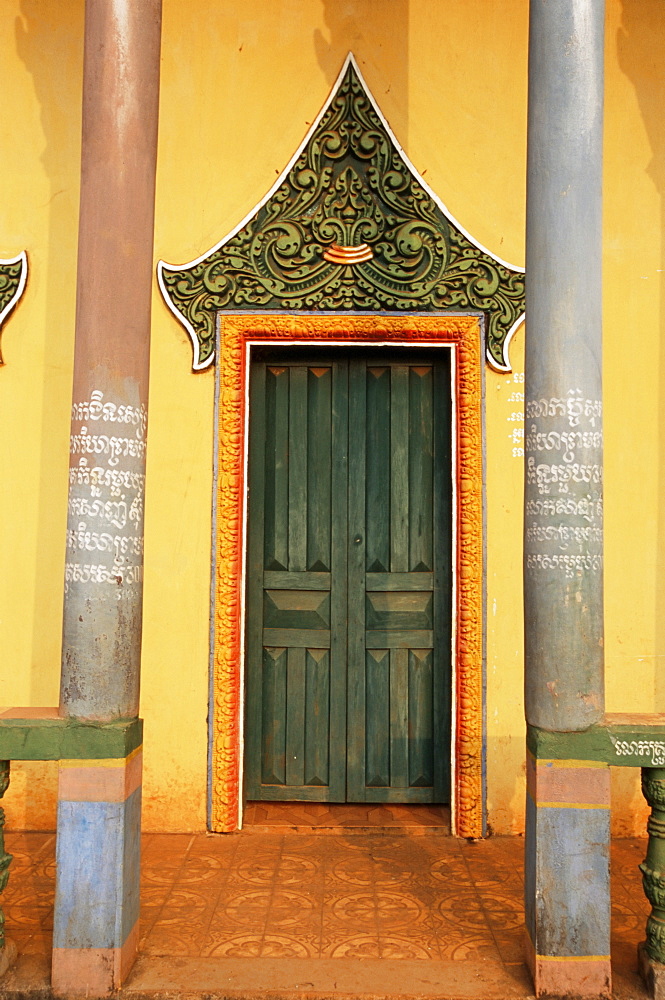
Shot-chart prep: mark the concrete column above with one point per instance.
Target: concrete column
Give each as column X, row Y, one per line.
column 104, row 571
column 99, row 813
column 563, row 577
column 567, row 806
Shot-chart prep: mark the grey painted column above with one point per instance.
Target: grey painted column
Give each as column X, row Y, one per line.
column 104, row 567
column 563, row 575
column 95, row 922
column 567, row 807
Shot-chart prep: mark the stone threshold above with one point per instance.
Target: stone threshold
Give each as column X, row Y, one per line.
column 183, row 978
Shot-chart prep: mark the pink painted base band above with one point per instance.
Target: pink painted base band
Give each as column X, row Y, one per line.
column 552, row 781
column 106, row 781
column 93, row 971
column 569, row 976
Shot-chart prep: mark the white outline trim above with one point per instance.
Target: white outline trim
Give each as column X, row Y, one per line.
column 350, row 60
column 23, row 256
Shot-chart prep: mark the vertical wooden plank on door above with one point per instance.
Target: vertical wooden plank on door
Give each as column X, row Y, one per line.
column 356, row 664
column 442, row 655
column 420, row 707
column 258, row 540
column 316, row 680
column 420, row 684
column 317, row 713
column 274, row 470
column 399, row 718
column 295, row 720
column 339, row 582
column 420, row 469
column 273, row 716
column 319, row 467
column 377, row 489
column 377, row 718
column 298, row 470
column 399, row 469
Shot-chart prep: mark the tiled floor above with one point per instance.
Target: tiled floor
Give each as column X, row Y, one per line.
column 293, row 895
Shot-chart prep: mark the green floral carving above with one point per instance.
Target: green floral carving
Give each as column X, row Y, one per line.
column 5, row 859
column 13, row 275
column 653, row 867
column 350, row 185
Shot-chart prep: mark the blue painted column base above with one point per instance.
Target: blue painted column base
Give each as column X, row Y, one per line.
column 567, row 877
column 95, row 934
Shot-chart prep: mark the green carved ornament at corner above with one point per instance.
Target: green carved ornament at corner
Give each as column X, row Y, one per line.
column 13, row 275
column 350, row 186
column 653, row 866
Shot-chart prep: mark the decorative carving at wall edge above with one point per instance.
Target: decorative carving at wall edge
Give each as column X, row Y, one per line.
column 13, row 276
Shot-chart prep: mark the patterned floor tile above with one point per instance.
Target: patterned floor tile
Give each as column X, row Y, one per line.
column 400, row 909
column 166, row 850
column 296, row 895
column 289, row 907
column 300, row 869
column 349, row 945
column 354, row 908
column 461, row 946
column 22, row 918
column 468, row 922
column 283, row 946
column 511, row 944
column 203, row 870
column 147, row 920
column 245, row 907
column 409, row 946
column 38, row 942
column 236, row 946
column 177, row 939
column 505, row 920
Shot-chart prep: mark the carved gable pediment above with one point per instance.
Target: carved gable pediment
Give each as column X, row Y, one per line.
column 349, row 226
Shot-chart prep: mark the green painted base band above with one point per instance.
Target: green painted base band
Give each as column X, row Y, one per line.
column 67, row 739
column 625, row 744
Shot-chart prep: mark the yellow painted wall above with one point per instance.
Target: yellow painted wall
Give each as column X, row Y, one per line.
column 241, row 82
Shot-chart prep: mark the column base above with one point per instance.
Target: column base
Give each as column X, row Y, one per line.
column 93, row 972
column 7, row 956
column 95, row 926
column 586, row 976
column 567, row 877
column 652, row 973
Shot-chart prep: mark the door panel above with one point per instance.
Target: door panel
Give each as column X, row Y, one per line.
column 349, row 579
column 296, row 583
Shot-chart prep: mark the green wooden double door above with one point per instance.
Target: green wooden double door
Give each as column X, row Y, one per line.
column 348, row 642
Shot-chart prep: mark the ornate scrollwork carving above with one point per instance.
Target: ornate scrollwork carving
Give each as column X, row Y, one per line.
column 464, row 333
column 351, row 184
column 13, row 275
column 5, row 859
column 653, row 867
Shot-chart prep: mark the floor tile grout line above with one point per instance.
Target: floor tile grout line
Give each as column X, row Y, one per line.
column 273, row 886
column 213, row 910
column 171, row 886
column 481, row 902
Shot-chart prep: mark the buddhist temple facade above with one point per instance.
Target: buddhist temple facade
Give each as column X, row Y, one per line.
column 296, row 503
